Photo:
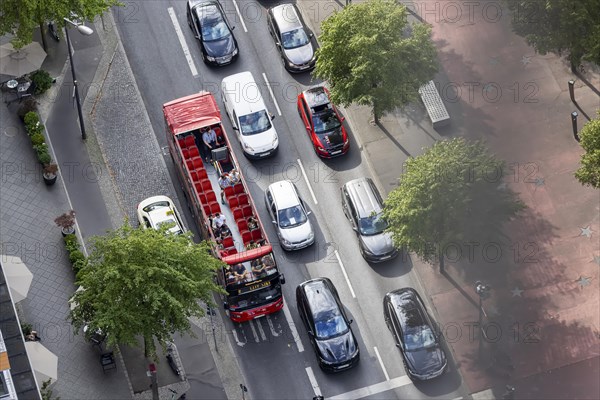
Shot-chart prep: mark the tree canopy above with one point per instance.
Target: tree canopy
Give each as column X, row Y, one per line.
column 559, row 26
column 371, row 55
column 450, row 195
column 589, row 171
column 143, row 282
column 22, row 17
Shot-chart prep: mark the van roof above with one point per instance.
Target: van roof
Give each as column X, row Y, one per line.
column 284, row 194
column 363, row 197
column 243, row 92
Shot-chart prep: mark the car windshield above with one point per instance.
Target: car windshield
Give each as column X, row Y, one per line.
column 325, row 121
column 254, row 299
column 294, row 39
column 171, row 225
column 290, row 217
column 214, row 28
column 254, row 123
column 330, row 324
column 154, row 206
column 419, row 338
column 372, row 225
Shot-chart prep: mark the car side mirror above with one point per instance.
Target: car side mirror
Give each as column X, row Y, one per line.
column 311, row 35
column 225, row 306
column 274, row 222
column 308, row 212
column 272, row 116
column 398, row 345
column 282, row 279
column 235, row 128
column 233, row 27
column 310, row 333
column 351, row 321
column 342, row 119
column 307, row 128
column 354, row 228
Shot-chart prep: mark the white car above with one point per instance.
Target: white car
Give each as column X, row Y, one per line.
column 157, row 211
column 289, row 216
column 249, row 116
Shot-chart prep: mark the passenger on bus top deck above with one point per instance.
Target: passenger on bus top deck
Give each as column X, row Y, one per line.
column 258, row 268
column 223, row 231
column 252, row 223
column 240, row 272
column 219, row 220
column 224, row 181
column 230, row 276
column 234, row 176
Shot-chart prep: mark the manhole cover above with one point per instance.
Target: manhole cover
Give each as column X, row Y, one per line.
column 11, row 131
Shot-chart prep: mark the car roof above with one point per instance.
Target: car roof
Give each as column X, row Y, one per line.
column 316, row 96
column 361, row 191
column 208, row 11
column 194, row 3
column 284, row 194
column 319, row 295
column 286, row 17
column 245, row 93
column 409, row 307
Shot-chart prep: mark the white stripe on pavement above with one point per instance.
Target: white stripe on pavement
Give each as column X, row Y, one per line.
column 272, row 95
column 240, row 15
column 307, row 182
column 313, row 381
column 373, row 389
column 387, row 377
column 345, row 274
column 186, row 50
column 290, row 321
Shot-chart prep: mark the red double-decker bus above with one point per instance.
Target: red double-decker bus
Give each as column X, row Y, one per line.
column 250, row 275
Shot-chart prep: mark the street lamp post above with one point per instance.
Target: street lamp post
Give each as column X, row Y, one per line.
column 85, row 31
column 483, row 291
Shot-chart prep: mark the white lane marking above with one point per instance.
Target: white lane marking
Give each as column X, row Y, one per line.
column 313, row 381
column 373, row 389
column 261, row 331
column 184, row 46
column 272, row 327
column 290, row 321
column 251, row 323
column 240, row 15
column 387, row 377
column 235, row 336
column 272, row 95
column 345, row 274
column 307, row 182
column 457, row 398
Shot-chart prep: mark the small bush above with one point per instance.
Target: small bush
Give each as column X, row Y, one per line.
column 42, row 81
column 76, row 256
column 43, row 155
column 31, row 118
column 26, row 328
column 29, row 105
column 37, row 139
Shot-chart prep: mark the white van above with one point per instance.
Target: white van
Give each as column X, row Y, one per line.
column 249, row 116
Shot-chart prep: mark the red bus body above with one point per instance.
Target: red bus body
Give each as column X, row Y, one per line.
column 260, row 293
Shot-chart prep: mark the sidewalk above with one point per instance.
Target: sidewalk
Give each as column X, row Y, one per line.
column 543, row 312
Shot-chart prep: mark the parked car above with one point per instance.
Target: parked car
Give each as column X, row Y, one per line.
column 363, row 206
column 289, row 215
column 207, row 20
column 293, row 39
column 415, row 334
column 154, row 212
column 323, row 123
column 327, row 324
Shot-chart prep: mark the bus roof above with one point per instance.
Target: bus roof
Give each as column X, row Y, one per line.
column 248, row 255
column 192, row 112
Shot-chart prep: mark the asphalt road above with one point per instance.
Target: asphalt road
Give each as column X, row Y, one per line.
column 269, row 355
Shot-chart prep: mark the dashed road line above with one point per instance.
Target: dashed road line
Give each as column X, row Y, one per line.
column 237, row 340
column 373, row 389
column 184, row 46
column 290, row 321
column 261, row 331
column 271, row 327
column 272, row 95
column 307, row 182
column 337, row 255
column 240, row 15
column 387, row 377
column 251, row 323
column 313, row 381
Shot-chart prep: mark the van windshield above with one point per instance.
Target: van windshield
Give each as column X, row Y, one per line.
column 254, row 123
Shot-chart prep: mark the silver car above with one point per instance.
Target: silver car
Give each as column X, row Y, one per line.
column 293, row 39
column 289, row 216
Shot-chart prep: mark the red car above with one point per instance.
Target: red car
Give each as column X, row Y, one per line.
column 323, row 123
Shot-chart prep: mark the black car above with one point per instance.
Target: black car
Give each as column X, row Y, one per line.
column 413, row 329
column 327, row 324
column 292, row 38
column 207, row 21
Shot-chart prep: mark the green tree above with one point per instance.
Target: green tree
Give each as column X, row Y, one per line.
column 589, row 171
column 372, row 56
column 451, row 194
column 143, row 282
column 559, row 26
column 22, row 17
